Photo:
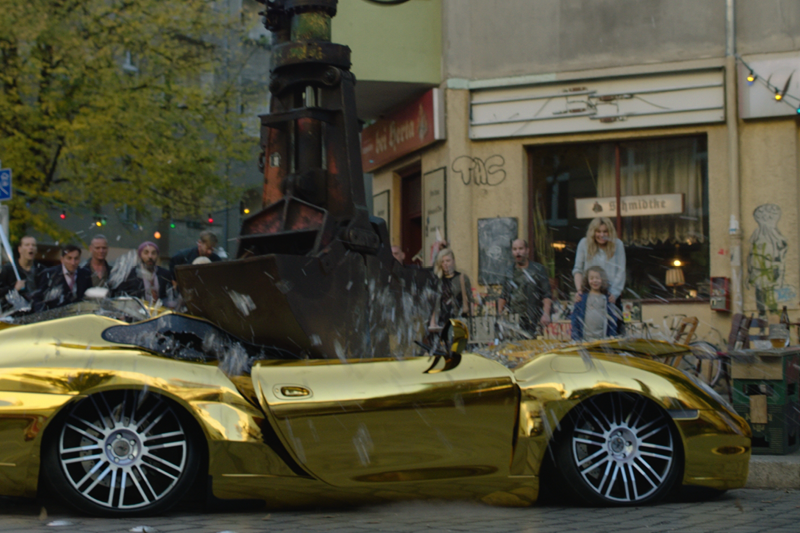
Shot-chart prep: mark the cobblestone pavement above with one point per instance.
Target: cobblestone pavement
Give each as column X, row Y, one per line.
column 737, row 511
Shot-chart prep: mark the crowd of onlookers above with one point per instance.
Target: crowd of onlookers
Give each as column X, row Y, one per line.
column 27, row 284
column 599, row 275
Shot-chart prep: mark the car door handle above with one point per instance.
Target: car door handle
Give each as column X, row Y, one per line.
column 292, row 391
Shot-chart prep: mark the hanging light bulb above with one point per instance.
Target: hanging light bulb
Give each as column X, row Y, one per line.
column 778, row 95
column 751, row 78
column 246, row 210
column 210, row 219
column 157, row 235
column 63, row 215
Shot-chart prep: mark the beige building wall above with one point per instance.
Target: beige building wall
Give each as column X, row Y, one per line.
column 400, row 43
column 769, row 172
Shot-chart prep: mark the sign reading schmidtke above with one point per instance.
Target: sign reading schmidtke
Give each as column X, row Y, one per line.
column 630, row 206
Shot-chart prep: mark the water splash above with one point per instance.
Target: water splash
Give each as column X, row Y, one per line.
column 362, row 442
column 243, row 302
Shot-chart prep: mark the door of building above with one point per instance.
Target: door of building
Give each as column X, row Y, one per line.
column 411, row 211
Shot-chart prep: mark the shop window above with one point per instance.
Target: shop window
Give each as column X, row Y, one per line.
column 560, row 174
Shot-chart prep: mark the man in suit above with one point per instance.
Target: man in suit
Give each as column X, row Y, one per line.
column 62, row 284
column 27, row 268
column 146, row 280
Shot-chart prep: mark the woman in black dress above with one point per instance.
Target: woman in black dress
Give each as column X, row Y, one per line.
column 454, row 292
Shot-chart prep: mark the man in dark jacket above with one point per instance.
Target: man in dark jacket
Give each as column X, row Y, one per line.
column 97, row 266
column 27, row 268
column 526, row 290
column 146, row 280
column 62, row 284
column 205, row 248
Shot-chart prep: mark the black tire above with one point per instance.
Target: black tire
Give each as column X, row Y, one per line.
column 122, row 453
column 618, row 450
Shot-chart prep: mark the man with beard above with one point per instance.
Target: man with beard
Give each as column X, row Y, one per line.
column 526, row 290
column 97, row 266
column 146, row 279
column 62, row 284
column 28, row 269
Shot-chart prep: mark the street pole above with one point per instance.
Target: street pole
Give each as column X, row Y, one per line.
column 732, row 125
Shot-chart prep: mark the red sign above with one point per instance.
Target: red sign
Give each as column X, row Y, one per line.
column 408, row 129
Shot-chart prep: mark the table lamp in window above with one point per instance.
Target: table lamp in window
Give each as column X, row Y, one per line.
column 675, row 277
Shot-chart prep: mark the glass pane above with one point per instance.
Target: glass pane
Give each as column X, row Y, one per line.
column 561, row 174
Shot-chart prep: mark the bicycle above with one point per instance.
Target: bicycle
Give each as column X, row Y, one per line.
column 706, row 360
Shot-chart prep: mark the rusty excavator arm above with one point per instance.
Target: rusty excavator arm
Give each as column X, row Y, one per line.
column 314, row 272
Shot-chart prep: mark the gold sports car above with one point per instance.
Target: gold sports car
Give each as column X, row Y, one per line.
column 124, row 418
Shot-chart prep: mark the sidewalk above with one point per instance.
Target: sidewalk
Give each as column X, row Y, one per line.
column 774, row 472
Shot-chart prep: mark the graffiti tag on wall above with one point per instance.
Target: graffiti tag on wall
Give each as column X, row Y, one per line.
column 766, row 262
column 476, row 171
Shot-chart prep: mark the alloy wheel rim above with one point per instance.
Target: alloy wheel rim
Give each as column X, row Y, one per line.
column 123, row 449
column 622, row 447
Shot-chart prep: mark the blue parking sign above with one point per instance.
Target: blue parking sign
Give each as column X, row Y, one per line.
column 5, row 184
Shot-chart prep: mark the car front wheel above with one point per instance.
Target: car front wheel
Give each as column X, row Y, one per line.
column 121, row 453
column 619, row 449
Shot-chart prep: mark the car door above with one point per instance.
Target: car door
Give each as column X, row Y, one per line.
column 382, row 420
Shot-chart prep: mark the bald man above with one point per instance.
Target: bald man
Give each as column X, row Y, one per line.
column 526, row 290
column 398, row 253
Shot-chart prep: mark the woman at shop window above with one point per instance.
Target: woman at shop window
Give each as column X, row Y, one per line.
column 454, row 291
column 601, row 248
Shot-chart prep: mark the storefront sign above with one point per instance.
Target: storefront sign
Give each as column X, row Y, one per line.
column 670, row 99
column 408, row 129
column 630, row 206
column 434, row 194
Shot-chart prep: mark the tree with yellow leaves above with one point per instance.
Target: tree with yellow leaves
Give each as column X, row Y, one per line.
column 123, row 102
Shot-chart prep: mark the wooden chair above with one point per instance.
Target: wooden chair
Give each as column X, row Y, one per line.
column 740, row 332
column 684, row 334
column 763, row 330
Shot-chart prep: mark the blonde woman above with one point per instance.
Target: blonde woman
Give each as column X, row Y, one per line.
column 602, row 248
column 454, row 290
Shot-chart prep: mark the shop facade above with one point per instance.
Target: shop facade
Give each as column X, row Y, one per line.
column 537, row 158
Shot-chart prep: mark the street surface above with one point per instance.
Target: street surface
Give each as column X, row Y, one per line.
column 737, row 511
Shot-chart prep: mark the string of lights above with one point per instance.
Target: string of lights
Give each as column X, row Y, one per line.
column 780, row 94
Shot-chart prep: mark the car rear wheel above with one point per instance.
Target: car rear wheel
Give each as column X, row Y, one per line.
column 619, row 449
column 120, row 453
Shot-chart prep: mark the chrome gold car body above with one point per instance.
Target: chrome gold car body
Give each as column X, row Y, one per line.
column 297, row 432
